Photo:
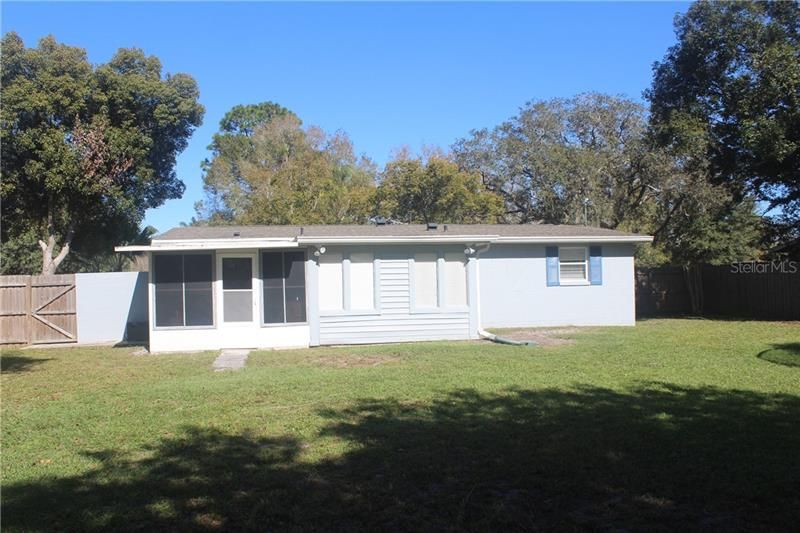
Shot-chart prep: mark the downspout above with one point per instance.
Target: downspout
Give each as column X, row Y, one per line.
column 482, row 333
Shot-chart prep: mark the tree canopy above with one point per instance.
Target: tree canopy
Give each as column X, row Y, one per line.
column 86, row 150
column 726, row 99
column 434, row 189
column 267, row 169
column 567, row 161
column 591, row 160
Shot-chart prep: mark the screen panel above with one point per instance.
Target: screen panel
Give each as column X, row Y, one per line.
column 237, row 273
column 294, row 268
column 168, row 272
column 272, row 275
column 237, row 306
column 198, row 287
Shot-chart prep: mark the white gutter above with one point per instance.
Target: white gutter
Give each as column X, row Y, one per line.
column 472, row 239
column 609, row 239
column 234, row 243
column 436, row 239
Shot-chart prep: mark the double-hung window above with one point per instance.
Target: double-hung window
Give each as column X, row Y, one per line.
column 183, row 290
column 284, row 280
column 573, row 265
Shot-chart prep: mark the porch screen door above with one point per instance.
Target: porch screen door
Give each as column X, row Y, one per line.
column 237, row 289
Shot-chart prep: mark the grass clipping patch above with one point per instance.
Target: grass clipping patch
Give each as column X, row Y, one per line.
column 355, row 360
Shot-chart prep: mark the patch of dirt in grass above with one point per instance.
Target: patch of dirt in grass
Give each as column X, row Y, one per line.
column 351, row 361
column 542, row 337
column 209, row 521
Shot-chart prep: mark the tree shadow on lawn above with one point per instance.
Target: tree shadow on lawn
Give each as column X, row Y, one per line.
column 657, row 457
column 13, row 362
column 786, row 354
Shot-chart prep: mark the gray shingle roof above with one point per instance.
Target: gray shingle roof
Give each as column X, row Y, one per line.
column 389, row 230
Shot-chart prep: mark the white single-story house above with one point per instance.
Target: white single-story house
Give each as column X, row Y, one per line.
column 290, row 286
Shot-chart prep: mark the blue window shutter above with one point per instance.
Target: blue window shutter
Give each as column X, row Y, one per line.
column 552, row 265
column 595, row 265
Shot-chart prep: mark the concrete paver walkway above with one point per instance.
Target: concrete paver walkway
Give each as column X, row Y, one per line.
column 230, row 360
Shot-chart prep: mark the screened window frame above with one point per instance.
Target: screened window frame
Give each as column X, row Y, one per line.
column 283, row 253
column 154, row 281
column 441, row 284
column 585, row 280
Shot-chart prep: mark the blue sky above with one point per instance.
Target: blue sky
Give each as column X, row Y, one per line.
column 387, row 74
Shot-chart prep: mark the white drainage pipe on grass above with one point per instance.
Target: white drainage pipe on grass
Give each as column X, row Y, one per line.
column 482, row 333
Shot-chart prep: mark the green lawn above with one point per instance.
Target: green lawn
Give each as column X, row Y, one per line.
column 673, row 424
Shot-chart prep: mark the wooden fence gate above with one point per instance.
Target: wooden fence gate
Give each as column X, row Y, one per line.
column 38, row 309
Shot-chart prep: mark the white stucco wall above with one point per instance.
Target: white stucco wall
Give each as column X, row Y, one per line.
column 107, row 302
column 513, row 290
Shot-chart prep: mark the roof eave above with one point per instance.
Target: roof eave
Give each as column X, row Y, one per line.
column 173, row 245
column 610, row 239
column 411, row 239
column 233, row 243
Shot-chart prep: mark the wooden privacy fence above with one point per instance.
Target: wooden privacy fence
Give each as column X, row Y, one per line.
column 766, row 291
column 38, row 309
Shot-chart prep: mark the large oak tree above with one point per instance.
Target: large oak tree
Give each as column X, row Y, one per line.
column 726, row 99
column 86, row 149
column 582, row 160
column 266, row 168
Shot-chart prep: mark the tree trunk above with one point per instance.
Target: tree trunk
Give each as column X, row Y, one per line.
column 694, row 283
column 50, row 263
